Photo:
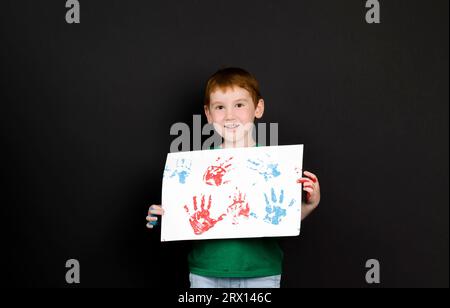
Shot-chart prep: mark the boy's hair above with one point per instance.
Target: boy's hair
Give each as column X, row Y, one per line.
column 228, row 78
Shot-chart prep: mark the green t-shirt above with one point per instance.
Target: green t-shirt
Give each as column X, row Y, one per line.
column 247, row 257
column 243, row 258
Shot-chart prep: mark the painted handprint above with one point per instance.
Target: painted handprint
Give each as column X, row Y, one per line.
column 239, row 208
column 265, row 168
column 182, row 170
column 201, row 220
column 215, row 173
column 275, row 208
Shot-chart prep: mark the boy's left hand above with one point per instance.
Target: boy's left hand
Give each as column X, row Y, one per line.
column 311, row 186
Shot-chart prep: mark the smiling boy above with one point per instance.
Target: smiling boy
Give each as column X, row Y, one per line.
column 232, row 103
column 232, row 110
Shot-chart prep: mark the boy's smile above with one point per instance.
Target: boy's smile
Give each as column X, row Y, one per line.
column 232, row 111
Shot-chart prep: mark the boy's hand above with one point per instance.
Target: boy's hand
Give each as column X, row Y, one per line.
column 311, row 186
column 151, row 218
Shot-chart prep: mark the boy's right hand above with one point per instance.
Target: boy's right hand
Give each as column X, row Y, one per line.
column 154, row 211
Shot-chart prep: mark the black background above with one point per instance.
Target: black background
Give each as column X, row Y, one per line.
column 86, row 111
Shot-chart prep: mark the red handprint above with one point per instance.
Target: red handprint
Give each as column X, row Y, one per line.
column 201, row 221
column 239, row 208
column 214, row 174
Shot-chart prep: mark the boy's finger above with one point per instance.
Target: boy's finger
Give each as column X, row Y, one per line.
column 151, row 218
column 308, row 189
column 153, row 223
column 149, row 226
column 156, row 212
column 155, row 207
column 303, row 180
column 311, row 175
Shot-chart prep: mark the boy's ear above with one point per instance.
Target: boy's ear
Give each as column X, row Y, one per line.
column 208, row 114
column 259, row 111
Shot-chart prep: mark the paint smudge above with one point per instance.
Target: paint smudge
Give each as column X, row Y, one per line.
column 268, row 170
column 215, row 173
column 166, row 172
column 303, row 180
column 201, row 220
column 275, row 210
column 239, row 208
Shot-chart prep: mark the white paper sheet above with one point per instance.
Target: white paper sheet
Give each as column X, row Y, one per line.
column 232, row 193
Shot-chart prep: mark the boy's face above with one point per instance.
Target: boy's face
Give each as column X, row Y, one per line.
column 233, row 112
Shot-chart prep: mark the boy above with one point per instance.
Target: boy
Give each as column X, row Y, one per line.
column 232, row 102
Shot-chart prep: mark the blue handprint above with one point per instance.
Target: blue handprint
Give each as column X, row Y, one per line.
column 182, row 170
column 267, row 169
column 275, row 210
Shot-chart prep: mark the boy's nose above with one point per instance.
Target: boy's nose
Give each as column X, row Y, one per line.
column 229, row 115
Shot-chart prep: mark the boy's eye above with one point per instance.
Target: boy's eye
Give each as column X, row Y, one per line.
column 239, row 105
column 219, row 107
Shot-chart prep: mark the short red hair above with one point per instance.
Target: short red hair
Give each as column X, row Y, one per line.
column 229, row 78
